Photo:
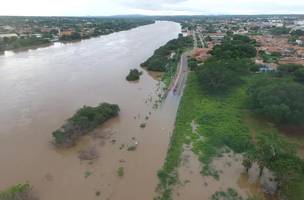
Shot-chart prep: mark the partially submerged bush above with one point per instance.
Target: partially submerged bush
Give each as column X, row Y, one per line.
column 134, row 75
column 86, row 119
column 226, row 195
column 120, row 172
column 17, row 192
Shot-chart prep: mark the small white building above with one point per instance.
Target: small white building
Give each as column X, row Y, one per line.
column 8, row 35
column 300, row 42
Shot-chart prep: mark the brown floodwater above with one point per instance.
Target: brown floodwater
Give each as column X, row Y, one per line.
column 41, row 88
column 192, row 185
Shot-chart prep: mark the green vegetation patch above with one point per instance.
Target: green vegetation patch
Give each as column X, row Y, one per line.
column 134, row 75
column 22, row 42
column 161, row 58
column 230, row 194
column 120, row 172
column 220, row 125
column 294, row 71
column 273, row 57
column 17, row 192
column 217, row 76
column 279, row 100
column 235, row 47
column 279, row 30
column 86, row 119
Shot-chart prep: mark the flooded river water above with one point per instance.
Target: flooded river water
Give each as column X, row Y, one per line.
column 41, row 88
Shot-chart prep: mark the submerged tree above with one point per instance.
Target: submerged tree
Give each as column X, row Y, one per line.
column 133, row 75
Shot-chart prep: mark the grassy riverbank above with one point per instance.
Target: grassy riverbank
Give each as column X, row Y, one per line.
column 167, row 57
column 223, row 124
column 219, row 125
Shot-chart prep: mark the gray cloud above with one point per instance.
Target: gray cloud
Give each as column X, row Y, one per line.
column 150, row 5
column 220, row 6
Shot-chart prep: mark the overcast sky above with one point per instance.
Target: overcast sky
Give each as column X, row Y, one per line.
column 149, row 7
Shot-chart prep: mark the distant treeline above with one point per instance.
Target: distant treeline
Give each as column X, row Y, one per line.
column 80, row 28
column 23, row 42
column 106, row 26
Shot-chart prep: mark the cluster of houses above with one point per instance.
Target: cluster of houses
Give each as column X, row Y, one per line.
column 53, row 33
column 289, row 52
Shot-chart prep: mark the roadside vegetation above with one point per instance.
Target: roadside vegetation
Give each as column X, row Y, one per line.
column 166, row 58
column 161, row 58
column 218, row 97
column 83, row 121
column 18, row 192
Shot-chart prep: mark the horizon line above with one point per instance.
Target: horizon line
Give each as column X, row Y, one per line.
column 147, row 15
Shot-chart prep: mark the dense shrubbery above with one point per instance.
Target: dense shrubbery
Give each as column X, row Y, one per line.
column 133, row 75
column 294, row 70
column 230, row 61
column 288, row 69
column 279, row 100
column 17, row 192
column 297, row 33
column 237, row 46
column 86, row 119
column 161, row 57
column 299, row 75
column 193, row 64
column 73, row 36
column 279, row 30
column 270, row 57
column 220, row 75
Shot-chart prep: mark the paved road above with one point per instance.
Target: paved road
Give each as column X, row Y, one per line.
column 181, row 78
column 202, row 40
column 194, row 39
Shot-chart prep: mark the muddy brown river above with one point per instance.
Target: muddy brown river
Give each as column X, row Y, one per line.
column 41, row 88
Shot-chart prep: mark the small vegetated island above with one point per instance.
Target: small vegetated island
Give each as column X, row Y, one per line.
column 166, row 58
column 134, row 75
column 83, row 121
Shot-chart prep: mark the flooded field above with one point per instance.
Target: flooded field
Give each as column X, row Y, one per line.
column 232, row 174
column 41, row 88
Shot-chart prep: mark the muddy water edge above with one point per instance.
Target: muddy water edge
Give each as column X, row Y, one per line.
column 40, row 89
